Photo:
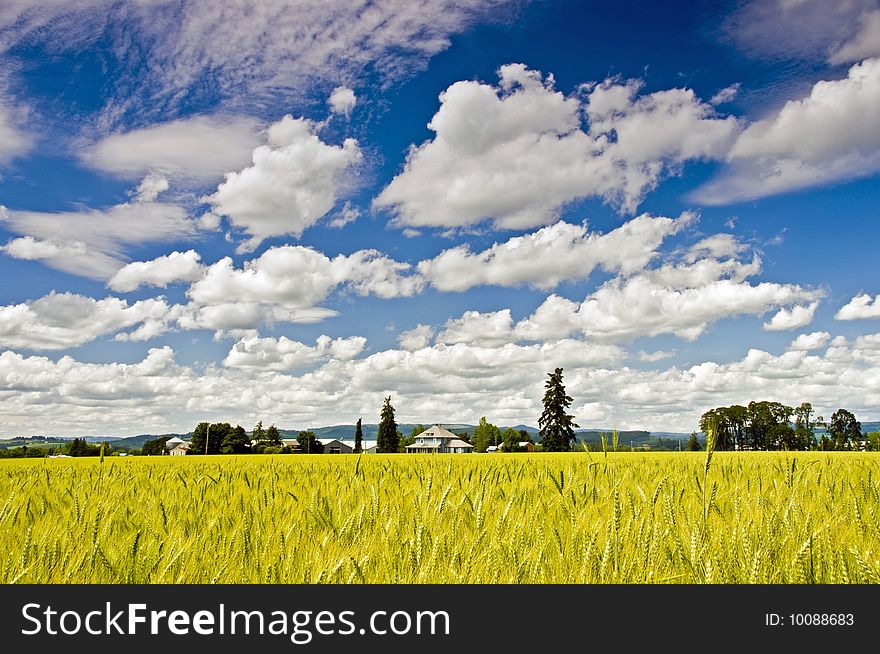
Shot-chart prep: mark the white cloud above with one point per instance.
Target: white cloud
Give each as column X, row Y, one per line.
column 812, row 341
column 491, row 329
column 62, row 320
column 348, row 214
column 442, row 382
column 32, row 249
column 285, row 354
column 92, row 242
column 416, row 338
column 293, row 182
column 14, row 140
column 150, row 188
column 193, row 52
column 555, row 319
column 793, row 318
column 861, row 306
column 717, row 246
column 342, row 101
column 653, row 357
column 725, row 95
column 865, row 43
column 161, row 271
column 517, row 152
column 794, row 29
column 199, row 149
column 825, row 137
column 286, row 284
column 680, row 299
column 551, row 255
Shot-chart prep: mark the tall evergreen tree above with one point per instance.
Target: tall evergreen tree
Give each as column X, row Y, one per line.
column 557, row 427
column 258, row 433
column 358, row 438
column 388, row 439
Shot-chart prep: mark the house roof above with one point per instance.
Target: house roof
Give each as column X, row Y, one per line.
column 174, row 441
column 457, row 442
column 437, row 432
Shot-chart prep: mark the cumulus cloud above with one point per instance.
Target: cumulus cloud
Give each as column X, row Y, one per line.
column 63, row 320
column 342, row 101
column 678, row 298
column 861, row 306
column 285, row 354
column 150, row 188
column 198, row 149
column 92, row 242
column 286, row 284
column 33, row 249
column 416, row 338
column 825, row 137
column 553, row 254
column 292, row 183
column 161, row 271
column 459, row 382
column 812, row 341
column 793, row 318
column 475, row 328
column 517, row 152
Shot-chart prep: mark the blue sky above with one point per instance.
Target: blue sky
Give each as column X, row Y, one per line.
column 288, row 210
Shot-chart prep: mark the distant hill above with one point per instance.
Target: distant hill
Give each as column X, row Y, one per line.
column 32, row 441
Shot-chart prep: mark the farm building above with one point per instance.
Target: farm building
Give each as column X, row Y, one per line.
column 438, row 439
column 337, row 446
column 176, row 446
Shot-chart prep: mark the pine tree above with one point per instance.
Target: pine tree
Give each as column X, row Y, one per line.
column 694, row 443
column 387, row 440
column 557, row 427
column 259, row 433
column 358, row 438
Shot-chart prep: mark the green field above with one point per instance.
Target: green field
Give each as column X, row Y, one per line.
column 541, row 518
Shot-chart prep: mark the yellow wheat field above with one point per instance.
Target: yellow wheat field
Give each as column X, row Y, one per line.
column 541, row 518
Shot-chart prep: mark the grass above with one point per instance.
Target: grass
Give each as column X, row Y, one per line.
column 519, row 518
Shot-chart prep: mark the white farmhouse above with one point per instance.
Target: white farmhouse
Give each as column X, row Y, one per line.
column 176, row 446
column 437, row 439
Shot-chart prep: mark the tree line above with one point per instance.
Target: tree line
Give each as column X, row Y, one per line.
column 767, row 425
column 76, row 447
